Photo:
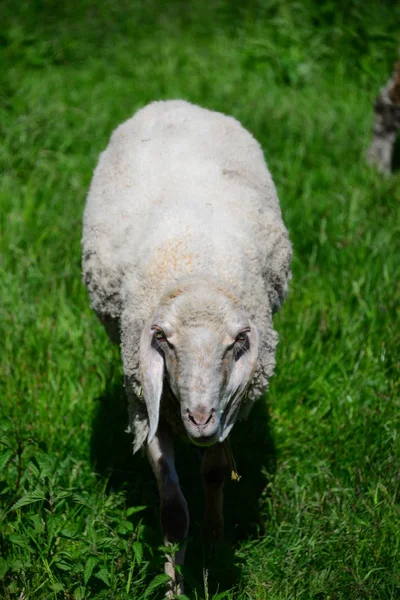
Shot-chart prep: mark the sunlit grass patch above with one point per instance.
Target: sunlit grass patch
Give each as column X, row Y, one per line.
column 316, row 513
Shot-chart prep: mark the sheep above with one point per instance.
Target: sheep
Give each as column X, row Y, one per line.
column 186, row 258
column 386, row 124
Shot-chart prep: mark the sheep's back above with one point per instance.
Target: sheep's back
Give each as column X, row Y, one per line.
column 181, row 191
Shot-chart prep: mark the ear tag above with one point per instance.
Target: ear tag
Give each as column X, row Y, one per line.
column 140, row 392
column 235, row 476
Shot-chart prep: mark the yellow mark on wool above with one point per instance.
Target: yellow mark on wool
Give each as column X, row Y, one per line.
column 174, row 256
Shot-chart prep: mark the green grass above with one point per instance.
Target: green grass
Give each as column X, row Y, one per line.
column 316, row 513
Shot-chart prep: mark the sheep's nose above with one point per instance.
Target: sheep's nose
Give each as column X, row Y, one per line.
column 200, row 417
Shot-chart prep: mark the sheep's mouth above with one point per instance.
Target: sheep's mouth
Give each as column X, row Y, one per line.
column 204, row 440
column 203, row 436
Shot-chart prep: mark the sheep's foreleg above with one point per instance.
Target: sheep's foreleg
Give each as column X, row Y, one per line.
column 214, row 469
column 173, row 507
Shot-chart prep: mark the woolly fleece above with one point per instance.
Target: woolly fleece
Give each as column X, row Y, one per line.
column 182, row 193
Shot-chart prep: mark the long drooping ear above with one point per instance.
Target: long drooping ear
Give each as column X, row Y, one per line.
column 152, row 374
column 238, row 381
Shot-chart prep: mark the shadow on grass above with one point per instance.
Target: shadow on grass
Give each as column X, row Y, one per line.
column 254, row 453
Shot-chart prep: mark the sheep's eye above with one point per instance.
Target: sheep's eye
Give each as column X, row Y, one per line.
column 242, row 344
column 159, row 335
column 242, row 336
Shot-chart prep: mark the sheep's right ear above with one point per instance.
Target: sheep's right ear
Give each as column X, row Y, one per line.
column 152, row 374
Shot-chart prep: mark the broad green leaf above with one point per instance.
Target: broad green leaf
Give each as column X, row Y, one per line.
column 70, row 531
column 157, row 582
column 137, row 548
column 19, row 540
column 16, row 565
column 38, row 523
column 46, row 465
column 90, row 565
column 79, row 593
column 61, row 495
column 104, row 575
column 4, row 458
column 32, row 468
column 124, row 527
column 63, row 565
column 30, row 498
column 134, row 509
column 3, row 567
column 13, row 587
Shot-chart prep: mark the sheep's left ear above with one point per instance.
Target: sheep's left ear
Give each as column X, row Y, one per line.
column 152, row 374
column 239, row 380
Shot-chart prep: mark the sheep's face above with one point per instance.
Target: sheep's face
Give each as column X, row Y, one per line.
column 207, row 349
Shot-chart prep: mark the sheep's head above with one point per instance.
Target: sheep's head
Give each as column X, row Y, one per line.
column 207, row 349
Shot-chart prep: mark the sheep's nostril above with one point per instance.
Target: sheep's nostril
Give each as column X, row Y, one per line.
column 210, row 416
column 200, row 419
column 191, row 418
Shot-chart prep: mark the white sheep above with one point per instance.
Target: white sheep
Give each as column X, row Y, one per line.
column 186, row 258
